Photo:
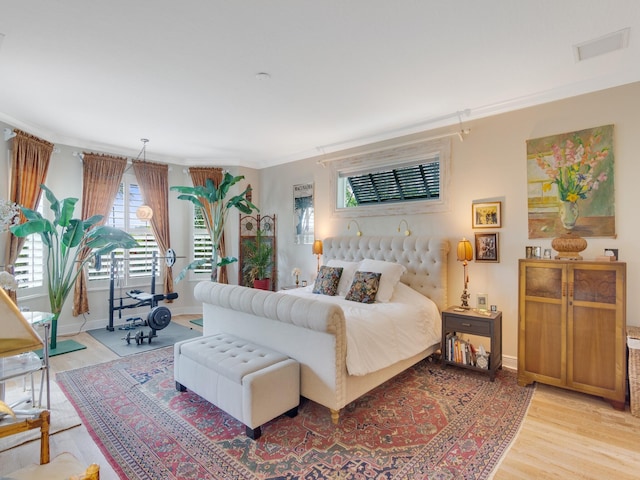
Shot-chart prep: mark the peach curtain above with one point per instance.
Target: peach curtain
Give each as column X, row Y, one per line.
column 153, row 179
column 101, row 178
column 29, row 165
column 199, row 176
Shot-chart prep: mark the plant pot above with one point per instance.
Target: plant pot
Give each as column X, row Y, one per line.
column 262, row 284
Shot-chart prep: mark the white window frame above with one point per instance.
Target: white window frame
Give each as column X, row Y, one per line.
column 140, row 230
column 384, row 159
column 200, row 234
column 32, row 282
column 31, row 278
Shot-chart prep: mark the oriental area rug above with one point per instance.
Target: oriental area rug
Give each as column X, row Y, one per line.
column 425, row 423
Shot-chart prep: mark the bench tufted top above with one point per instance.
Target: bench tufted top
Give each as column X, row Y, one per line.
column 230, row 356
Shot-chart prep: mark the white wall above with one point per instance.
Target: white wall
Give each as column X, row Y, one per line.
column 489, row 165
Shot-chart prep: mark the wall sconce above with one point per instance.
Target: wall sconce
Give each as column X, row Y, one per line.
column 465, row 253
column 407, row 232
column 317, row 250
column 359, row 233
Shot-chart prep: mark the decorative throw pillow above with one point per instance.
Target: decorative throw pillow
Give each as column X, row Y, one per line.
column 327, row 280
column 364, row 287
column 391, row 273
column 348, row 269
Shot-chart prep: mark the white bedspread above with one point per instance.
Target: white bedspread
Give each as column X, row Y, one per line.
column 381, row 334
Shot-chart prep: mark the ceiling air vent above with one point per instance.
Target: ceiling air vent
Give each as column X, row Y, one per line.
column 609, row 43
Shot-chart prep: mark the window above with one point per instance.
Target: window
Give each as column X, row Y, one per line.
column 138, row 261
column 29, row 266
column 202, row 246
column 404, row 179
column 392, row 185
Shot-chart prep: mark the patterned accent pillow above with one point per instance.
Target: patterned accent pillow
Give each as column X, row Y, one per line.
column 391, row 273
column 347, row 274
column 327, row 280
column 364, row 287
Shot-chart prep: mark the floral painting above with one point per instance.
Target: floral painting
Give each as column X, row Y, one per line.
column 570, row 184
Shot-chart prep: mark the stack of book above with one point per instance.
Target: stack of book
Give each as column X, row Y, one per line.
column 462, row 351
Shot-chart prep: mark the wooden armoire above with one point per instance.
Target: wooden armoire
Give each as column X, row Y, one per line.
column 571, row 326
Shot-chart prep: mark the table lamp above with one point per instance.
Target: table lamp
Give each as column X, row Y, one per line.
column 317, row 250
column 465, row 253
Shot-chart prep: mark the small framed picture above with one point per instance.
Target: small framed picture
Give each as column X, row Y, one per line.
column 487, row 248
column 611, row 252
column 486, row 215
column 537, row 252
column 482, row 301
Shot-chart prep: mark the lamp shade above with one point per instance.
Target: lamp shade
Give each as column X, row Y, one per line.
column 144, row 212
column 465, row 250
column 317, row 247
column 17, row 335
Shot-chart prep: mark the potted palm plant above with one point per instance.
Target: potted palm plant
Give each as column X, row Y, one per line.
column 71, row 243
column 258, row 255
column 215, row 208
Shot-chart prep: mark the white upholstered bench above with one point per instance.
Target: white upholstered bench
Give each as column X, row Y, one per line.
column 251, row 383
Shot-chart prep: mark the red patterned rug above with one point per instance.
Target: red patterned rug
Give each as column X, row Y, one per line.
column 426, row 423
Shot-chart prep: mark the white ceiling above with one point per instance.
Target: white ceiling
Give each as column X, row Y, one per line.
column 101, row 75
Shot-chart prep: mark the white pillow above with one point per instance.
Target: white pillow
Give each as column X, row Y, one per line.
column 391, row 273
column 348, row 271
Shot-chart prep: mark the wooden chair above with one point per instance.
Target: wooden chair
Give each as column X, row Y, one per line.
column 10, row 426
column 18, row 341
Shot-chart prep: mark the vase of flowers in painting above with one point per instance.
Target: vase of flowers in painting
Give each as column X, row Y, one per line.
column 571, row 167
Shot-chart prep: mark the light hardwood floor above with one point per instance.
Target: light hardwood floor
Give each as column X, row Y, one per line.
column 565, row 434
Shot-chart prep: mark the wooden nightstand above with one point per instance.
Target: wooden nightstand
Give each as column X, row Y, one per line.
column 472, row 322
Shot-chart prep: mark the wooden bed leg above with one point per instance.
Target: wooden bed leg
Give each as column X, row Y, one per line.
column 335, row 415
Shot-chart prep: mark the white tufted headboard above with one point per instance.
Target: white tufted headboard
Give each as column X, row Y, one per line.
column 425, row 259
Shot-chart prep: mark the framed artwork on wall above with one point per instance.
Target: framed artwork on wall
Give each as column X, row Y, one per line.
column 303, row 216
column 486, row 215
column 570, row 184
column 487, row 249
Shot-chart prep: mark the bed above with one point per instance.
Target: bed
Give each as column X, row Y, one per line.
column 314, row 332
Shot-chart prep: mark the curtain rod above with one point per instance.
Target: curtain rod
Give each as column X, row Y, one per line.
column 460, row 134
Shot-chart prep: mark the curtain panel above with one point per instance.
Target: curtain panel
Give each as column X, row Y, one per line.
column 101, row 178
column 199, row 176
column 153, row 179
column 29, row 166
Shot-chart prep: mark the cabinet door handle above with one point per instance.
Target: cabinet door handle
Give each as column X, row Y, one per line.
column 466, row 324
column 571, row 289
